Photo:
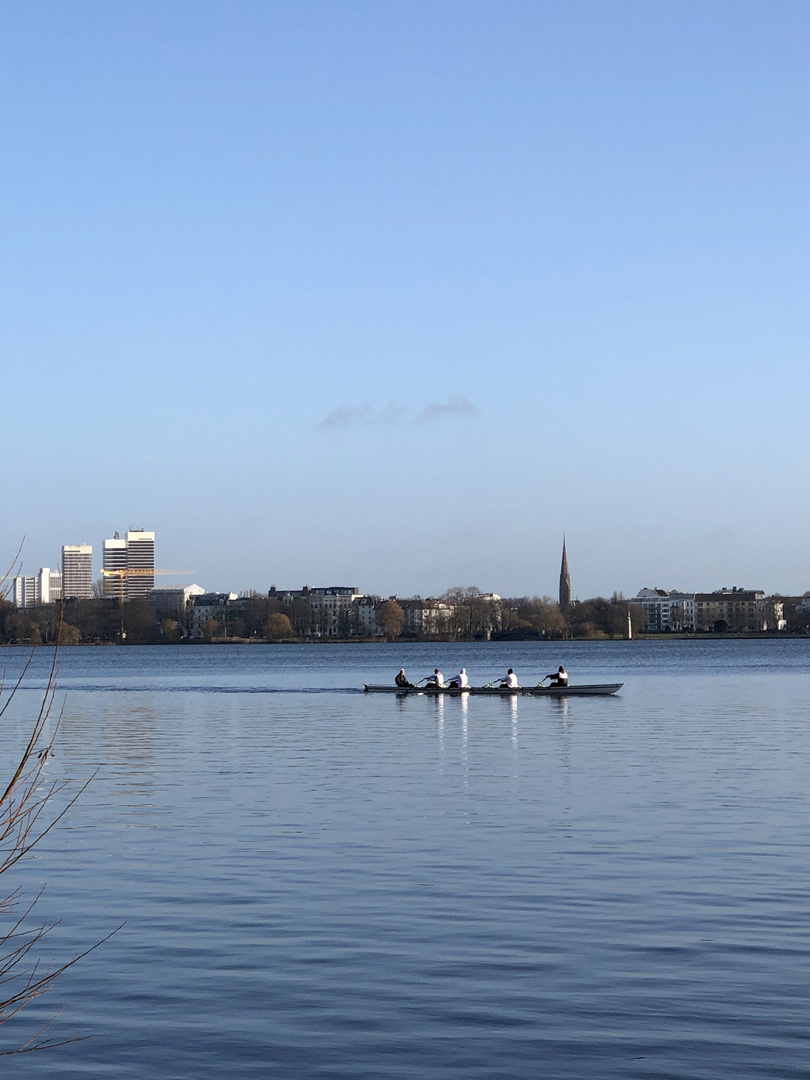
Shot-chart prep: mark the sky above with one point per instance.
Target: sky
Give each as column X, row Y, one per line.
column 397, row 294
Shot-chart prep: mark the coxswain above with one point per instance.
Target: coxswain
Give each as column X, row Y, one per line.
column 509, row 681
column 436, row 679
column 402, row 680
column 559, row 677
column 460, row 681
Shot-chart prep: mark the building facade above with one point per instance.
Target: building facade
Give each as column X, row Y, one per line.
column 326, row 611
column 174, row 601
column 738, row 609
column 24, row 591
column 209, row 614
column 77, row 571
column 129, row 565
column 665, row 611
column 44, row 588
column 427, row 618
column 744, row 610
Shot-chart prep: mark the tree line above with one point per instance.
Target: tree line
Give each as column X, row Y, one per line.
column 460, row 614
column 466, row 614
column 105, row 621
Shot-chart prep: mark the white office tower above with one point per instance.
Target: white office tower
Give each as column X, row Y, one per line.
column 45, row 588
column 24, row 591
column 77, row 571
column 132, row 562
column 115, row 558
column 49, row 585
column 141, row 558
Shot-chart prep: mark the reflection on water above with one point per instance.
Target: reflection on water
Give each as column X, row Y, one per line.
column 561, row 706
column 464, row 705
column 341, row 884
column 513, row 710
column 438, row 707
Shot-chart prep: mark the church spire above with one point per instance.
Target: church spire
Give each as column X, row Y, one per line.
column 565, row 581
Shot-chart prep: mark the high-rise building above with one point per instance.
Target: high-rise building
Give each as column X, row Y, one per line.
column 114, row 557
column 140, row 557
column 24, row 591
column 134, row 552
column 565, row 581
column 45, row 588
column 77, row 571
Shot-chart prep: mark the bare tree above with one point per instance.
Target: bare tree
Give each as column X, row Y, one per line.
column 30, row 806
column 391, row 617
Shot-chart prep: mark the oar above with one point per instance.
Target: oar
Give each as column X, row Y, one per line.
column 496, row 678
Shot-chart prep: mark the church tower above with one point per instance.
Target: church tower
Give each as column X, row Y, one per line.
column 565, row 582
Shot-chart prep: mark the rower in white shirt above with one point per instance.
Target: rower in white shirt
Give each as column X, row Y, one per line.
column 460, row 681
column 436, row 679
column 509, row 681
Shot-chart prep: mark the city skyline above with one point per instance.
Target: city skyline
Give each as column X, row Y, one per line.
column 420, row 288
column 128, row 560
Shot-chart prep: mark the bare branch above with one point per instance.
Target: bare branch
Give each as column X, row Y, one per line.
column 28, row 813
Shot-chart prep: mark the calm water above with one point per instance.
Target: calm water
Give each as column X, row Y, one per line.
column 322, row 883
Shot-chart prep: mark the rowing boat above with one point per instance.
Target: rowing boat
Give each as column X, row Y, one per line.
column 498, row 691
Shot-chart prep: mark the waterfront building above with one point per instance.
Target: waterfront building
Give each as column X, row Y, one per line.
column 77, row 571
column 665, row 611
column 738, row 609
column 427, row 618
column 681, row 611
column 565, row 581
column 365, row 612
column 133, row 556
column 209, row 614
column 800, row 610
column 326, row 611
column 43, row 588
column 173, row 601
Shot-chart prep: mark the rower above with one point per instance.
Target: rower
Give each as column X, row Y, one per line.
column 436, row 679
column 402, row 680
column 509, row 681
column 460, row 681
column 558, row 677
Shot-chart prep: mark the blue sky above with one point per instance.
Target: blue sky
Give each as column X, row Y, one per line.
column 395, row 294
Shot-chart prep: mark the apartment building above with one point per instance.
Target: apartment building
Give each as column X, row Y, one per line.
column 738, row 609
column 174, row 601
column 665, row 610
column 326, row 611
column 77, row 571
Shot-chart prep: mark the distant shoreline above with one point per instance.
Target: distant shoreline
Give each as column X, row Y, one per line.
column 400, row 642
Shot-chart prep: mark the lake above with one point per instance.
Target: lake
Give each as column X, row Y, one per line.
column 317, row 882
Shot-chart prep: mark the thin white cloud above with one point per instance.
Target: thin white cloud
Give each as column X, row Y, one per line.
column 344, row 417
column 457, row 405
column 393, row 414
